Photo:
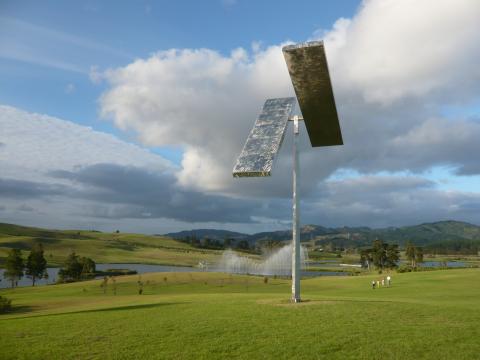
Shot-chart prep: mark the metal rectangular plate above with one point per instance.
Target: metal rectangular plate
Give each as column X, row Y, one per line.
column 263, row 143
column 308, row 68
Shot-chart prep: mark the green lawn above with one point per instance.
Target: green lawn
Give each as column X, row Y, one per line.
column 425, row 315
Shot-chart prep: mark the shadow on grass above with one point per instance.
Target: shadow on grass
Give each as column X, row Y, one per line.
column 122, row 308
column 27, row 309
column 19, row 309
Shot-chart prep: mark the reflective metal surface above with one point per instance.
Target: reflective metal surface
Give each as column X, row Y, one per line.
column 263, row 143
column 308, row 68
column 296, row 273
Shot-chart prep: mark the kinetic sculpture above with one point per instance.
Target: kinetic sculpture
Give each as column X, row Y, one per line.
column 308, row 68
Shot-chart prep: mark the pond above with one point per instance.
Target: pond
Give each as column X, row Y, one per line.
column 140, row 269
column 450, row 264
column 336, row 263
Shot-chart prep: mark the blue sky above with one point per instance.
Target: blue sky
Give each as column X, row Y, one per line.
column 64, row 40
column 93, row 89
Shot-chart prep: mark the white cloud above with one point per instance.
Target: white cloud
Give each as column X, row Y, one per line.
column 392, row 49
column 382, row 201
column 394, row 66
column 198, row 99
column 35, row 144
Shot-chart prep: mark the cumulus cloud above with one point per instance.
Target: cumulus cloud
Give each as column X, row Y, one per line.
column 199, row 99
column 33, row 144
column 394, row 66
column 395, row 49
column 138, row 193
column 381, row 201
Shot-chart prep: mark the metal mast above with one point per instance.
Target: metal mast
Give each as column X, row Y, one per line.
column 296, row 265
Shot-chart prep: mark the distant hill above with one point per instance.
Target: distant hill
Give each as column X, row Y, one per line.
column 428, row 233
column 439, row 237
column 422, row 235
column 213, row 234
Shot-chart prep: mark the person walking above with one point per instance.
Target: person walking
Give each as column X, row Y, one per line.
column 388, row 280
column 373, row 284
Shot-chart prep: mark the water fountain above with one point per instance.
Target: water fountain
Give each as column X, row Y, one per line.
column 277, row 263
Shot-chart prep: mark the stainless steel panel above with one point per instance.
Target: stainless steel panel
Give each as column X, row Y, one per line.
column 308, row 68
column 263, row 143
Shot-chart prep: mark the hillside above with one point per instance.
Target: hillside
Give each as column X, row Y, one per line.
column 213, row 234
column 423, row 234
column 103, row 247
column 444, row 237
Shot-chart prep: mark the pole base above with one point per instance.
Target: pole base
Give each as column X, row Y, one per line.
column 296, row 300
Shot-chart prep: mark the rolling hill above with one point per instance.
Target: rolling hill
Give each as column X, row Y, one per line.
column 102, row 247
column 422, row 234
column 438, row 237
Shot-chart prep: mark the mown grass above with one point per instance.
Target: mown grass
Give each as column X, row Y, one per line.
column 426, row 315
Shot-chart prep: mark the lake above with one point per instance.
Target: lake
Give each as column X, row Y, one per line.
column 140, row 269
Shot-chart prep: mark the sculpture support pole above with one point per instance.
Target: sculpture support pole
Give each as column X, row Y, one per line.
column 296, row 218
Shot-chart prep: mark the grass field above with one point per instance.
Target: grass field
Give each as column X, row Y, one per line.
column 426, row 315
column 103, row 247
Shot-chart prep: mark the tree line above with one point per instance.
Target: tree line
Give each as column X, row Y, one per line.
column 381, row 255
column 414, row 254
column 213, row 244
column 455, row 247
column 35, row 266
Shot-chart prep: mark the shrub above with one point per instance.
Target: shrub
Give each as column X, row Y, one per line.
column 5, row 304
column 404, row 268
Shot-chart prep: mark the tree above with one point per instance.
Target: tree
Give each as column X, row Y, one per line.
column 418, row 255
column 76, row 267
column 88, row 266
column 414, row 254
column 227, row 242
column 36, row 267
column 410, row 253
column 206, row 242
column 194, row 241
column 366, row 258
column 243, row 245
column 14, row 266
column 379, row 254
column 72, row 268
column 393, row 255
